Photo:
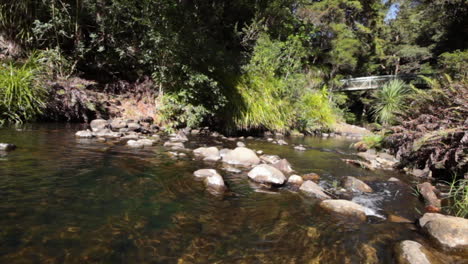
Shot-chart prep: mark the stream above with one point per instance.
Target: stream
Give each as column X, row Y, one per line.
column 70, row 200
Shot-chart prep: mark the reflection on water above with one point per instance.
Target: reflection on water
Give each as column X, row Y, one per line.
column 65, row 200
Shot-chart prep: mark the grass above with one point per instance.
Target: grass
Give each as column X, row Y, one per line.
column 373, row 141
column 390, row 102
column 459, row 197
column 22, row 94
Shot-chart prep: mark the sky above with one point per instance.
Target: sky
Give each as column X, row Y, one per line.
column 392, row 12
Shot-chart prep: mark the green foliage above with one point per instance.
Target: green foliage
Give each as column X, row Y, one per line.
column 390, row 102
column 22, row 92
column 459, row 197
column 373, row 141
column 176, row 112
column 315, row 112
column 455, row 63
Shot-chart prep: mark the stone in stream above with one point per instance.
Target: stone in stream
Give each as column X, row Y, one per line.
column 98, row 124
column 430, row 198
column 203, row 173
column 174, row 145
column 240, row 144
column 282, row 142
column 393, row 179
column 7, row 147
column 84, row 134
column 283, row 165
column 311, row 177
column 118, row 123
column 179, row 137
column 134, row 144
column 312, row 189
column 450, row 232
column 106, row 133
column 295, row 180
column 300, row 148
column 352, row 184
column 411, row 252
column 345, row 207
column 241, row 156
column 270, row 159
column 215, row 183
column 208, row 153
column 267, row 174
column 133, row 126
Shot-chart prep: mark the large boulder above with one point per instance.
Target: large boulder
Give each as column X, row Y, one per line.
column 209, row 153
column 283, row 165
column 352, row 184
column 84, row 134
column 98, row 124
column 312, row 189
column 241, row 156
column 264, row 173
column 411, row 252
column 345, row 207
column 7, row 147
column 450, row 232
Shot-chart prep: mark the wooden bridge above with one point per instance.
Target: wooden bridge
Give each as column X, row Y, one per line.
column 375, row 82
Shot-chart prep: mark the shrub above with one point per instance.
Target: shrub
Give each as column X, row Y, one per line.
column 390, row 102
column 455, row 63
column 315, row 111
column 373, row 141
column 22, row 92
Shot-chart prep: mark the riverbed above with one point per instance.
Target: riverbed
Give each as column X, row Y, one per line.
column 70, row 200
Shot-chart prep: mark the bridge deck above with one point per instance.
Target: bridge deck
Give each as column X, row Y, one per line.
column 373, row 82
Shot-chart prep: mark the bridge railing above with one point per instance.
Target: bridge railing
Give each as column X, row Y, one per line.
column 374, row 82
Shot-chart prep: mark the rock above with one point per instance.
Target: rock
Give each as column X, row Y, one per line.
column 134, row 144
column 283, row 165
column 430, row 198
column 313, row 189
column 325, row 135
column 224, row 151
column 270, row 139
column 398, row 219
column 240, row 144
column 418, row 173
column 117, row 124
column 146, row 142
column 241, row 156
column 393, row 179
column 282, row 142
column 311, row 177
column 174, row 145
column 230, row 168
column 84, row 134
column 106, row 133
column 215, row 183
column 132, row 135
column 98, row 124
column 300, row 148
column 295, row 180
column 362, row 164
column 210, row 153
column 132, row 126
column 450, row 232
column 352, row 184
column 203, row 173
column 345, row 207
column 270, row 159
column 411, row 252
column 195, row 131
column 9, row 147
column 267, row 174
column 259, row 152
column 179, row 137
column 155, row 137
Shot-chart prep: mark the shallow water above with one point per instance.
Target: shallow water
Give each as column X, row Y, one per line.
column 68, row 200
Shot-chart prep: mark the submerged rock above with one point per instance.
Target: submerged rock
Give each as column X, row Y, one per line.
column 98, row 124
column 295, row 180
column 411, row 252
column 84, row 134
column 241, row 156
column 312, row 189
column 311, row 176
column 300, row 148
column 345, row 207
column 450, row 232
column 352, row 184
column 267, row 174
column 7, row 146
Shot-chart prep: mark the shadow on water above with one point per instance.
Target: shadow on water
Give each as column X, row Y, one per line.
column 66, row 200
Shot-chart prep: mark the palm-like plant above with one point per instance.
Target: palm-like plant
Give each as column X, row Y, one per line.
column 390, row 102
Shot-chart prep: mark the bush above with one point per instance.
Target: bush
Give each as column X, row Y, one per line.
column 455, row 63
column 22, row 92
column 373, row 141
column 390, row 102
column 315, row 111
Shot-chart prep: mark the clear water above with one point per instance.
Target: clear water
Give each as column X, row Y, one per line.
column 68, row 200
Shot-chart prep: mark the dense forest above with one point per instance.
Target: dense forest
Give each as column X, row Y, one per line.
column 244, row 66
